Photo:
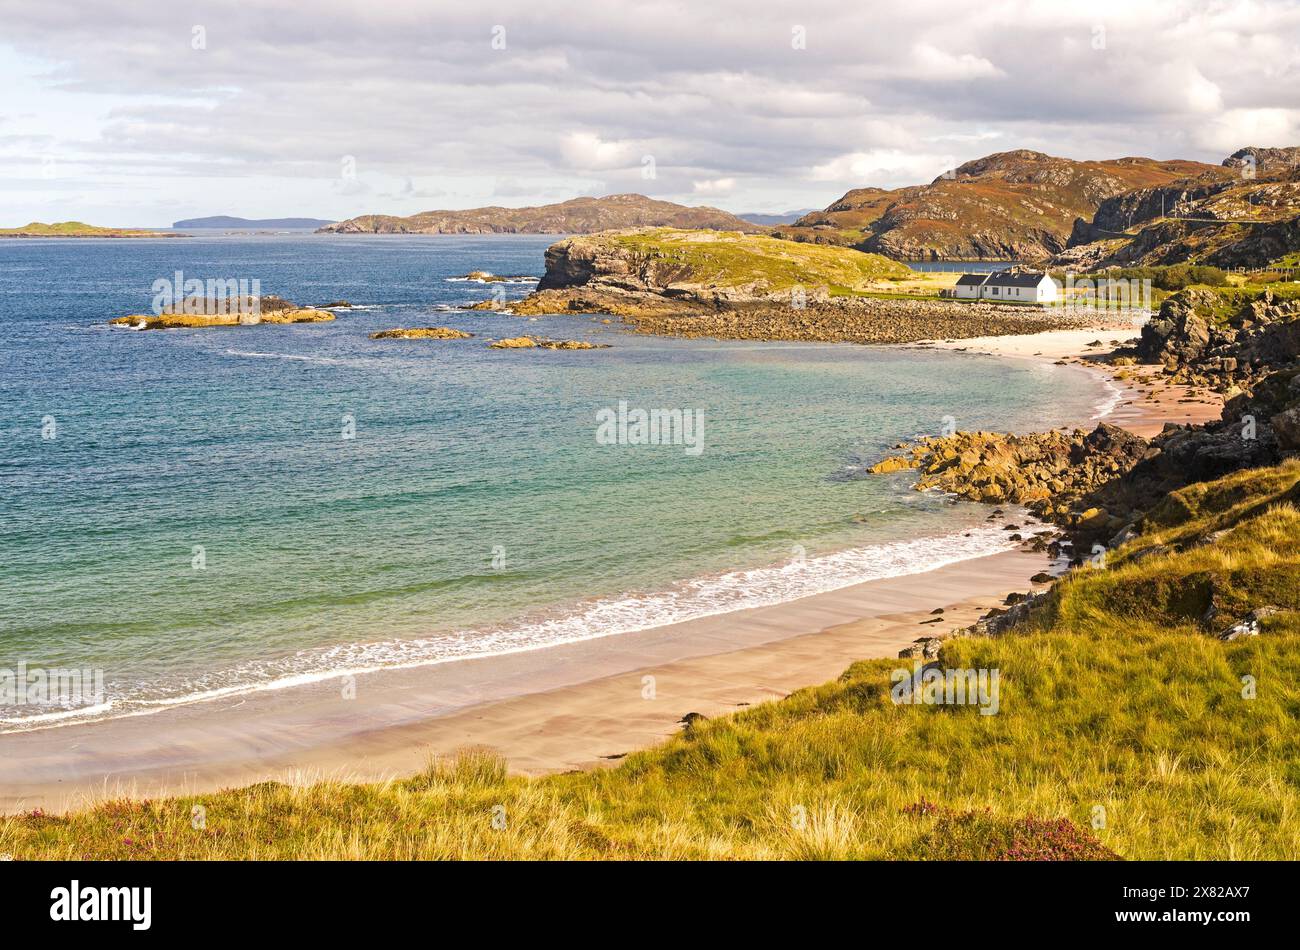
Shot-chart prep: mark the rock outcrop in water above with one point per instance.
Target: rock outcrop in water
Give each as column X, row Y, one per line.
column 1048, row 472
column 231, row 312
column 1097, row 485
column 421, row 333
column 535, row 342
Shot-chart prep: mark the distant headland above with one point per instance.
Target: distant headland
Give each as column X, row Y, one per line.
column 226, row 221
column 79, row 229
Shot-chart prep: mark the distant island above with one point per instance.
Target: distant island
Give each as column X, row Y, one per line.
column 577, row 216
column 769, row 219
column 79, row 229
column 226, row 221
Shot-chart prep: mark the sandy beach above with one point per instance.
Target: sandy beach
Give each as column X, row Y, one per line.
column 1143, row 402
column 575, row 706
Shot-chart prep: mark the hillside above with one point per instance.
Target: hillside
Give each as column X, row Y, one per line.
column 78, row 229
column 577, row 216
column 1245, row 213
column 1017, row 205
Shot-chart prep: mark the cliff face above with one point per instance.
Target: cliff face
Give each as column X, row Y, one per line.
column 1018, row 205
column 578, row 216
column 1245, row 213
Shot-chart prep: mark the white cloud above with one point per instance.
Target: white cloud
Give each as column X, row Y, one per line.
column 934, row 64
column 895, row 167
column 258, row 121
column 1237, row 128
column 586, row 151
column 718, row 186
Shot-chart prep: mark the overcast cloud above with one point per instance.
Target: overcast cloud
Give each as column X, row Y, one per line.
column 138, row 113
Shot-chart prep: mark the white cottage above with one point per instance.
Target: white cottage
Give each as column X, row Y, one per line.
column 1004, row 285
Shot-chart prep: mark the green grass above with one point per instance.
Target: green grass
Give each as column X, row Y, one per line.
column 732, row 259
column 1116, row 702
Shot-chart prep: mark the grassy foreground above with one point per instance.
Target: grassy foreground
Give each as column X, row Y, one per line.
column 1125, row 727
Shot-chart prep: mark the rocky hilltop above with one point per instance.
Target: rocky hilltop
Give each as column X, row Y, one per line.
column 659, row 272
column 577, row 216
column 1243, row 213
column 708, row 265
column 1017, row 205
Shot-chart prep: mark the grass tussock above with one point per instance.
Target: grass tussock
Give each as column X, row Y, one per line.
column 1125, row 728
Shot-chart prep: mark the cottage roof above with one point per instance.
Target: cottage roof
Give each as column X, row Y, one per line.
column 1001, row 278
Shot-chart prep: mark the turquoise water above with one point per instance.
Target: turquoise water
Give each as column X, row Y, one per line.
column 473, row 512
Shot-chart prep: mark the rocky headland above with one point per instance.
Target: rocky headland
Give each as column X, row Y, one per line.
column 729, row 285
column 79, row 229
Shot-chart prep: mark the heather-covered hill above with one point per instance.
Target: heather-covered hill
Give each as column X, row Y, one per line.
column 1245, row 213
column 577, row 216
column 1017, row 205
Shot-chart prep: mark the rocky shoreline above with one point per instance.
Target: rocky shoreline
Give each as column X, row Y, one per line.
column 1110, row 489
column 1100, row 488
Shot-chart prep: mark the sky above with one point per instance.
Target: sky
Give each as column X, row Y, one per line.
column 140, row 113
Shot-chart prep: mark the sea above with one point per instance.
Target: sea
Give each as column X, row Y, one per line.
column 200, row 513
